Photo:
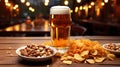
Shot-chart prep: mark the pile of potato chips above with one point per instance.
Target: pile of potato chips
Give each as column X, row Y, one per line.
column 86, row 51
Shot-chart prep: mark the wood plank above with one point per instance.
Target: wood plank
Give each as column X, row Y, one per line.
column 8, row 53
column 11, row 46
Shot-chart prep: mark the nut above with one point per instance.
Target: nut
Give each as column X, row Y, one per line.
column 36, row 51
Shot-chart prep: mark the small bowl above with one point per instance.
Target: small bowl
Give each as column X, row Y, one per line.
column 110, row 50
column 35, row 58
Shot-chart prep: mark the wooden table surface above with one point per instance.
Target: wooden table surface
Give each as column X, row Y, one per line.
column 8, row 57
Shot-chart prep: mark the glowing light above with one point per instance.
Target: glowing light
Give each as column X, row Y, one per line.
column 92, row 3
column 66, row 2
column 31, row 9
column 9, row 29
column 97, row 11
column 27, row 3
column 8, row 4
column 84, row 7
column 6, row 1
column 76, row 9
column 16, row 6
column 16, row 27
column 89, row 6
column 71, row 11
column 102, row 3
column 78, row 1
column 22, row 1
column 81, row 8
column 106, row 1
column 46, row 2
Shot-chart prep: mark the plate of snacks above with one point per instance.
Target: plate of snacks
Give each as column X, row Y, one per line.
column 36, row 52
column 112, row 47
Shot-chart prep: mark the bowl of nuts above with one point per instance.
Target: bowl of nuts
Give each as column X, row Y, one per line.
column 112, row 47
column 36, row 52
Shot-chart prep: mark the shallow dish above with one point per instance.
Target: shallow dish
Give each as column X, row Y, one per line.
column 35, row 58
column 112, row 47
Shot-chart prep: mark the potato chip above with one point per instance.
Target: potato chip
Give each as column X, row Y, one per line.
column 63, row 58
column 99, row 59
column 70, row 57
column 84, row 53
column 111, row 56
column 78, row 57
column 67, row 62
column 91, row 61
column 95, row 52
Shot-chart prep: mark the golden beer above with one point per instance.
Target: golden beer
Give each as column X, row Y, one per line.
column 60, row 22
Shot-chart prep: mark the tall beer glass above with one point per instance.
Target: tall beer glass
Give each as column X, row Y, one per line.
column 60, row 22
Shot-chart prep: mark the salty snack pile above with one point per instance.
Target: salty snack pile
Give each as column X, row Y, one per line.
column 87, row 51
column 113, row 46
column 36, row 51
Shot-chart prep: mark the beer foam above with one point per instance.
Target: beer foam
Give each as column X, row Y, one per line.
column 59, row 10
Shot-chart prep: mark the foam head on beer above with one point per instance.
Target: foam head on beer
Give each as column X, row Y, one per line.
column 60, row 10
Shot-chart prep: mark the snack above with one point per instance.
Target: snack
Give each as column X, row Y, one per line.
column 113, row 46
column 86, row 51
column 36, row 51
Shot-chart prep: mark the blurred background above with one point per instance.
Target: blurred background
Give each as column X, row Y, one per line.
column 31, row 17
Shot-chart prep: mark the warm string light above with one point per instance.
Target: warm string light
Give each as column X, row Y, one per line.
column 66, row 2
column 22, row 1
column 71, row 11
column 15, row 7
column 102, row 3
column 84, row 7
column 78, row 1
column 31, row 9
column 89, row 6
column 80, row 7
column 46, row 2
column 106, row 1
column 6, row 1
column 27, row 3
column 76, row 9
column 92, row 3
column 8, row 4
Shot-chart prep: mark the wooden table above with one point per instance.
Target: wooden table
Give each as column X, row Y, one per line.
column 8, row 57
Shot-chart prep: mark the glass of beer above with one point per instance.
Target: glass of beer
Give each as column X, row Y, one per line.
column 60, row 22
